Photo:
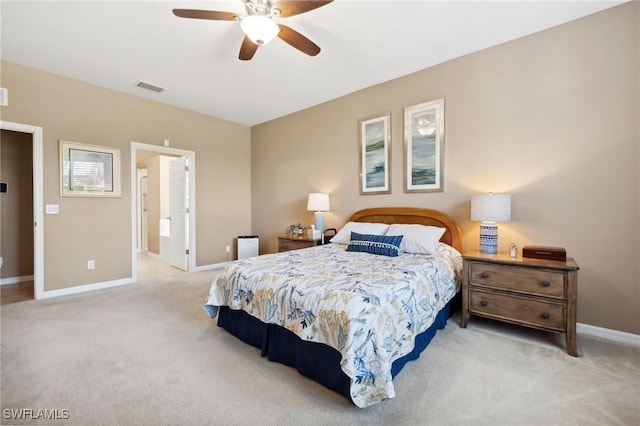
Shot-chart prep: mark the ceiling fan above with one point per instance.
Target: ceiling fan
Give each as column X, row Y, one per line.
column 259, row 26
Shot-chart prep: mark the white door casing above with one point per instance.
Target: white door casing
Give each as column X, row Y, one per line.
column 38, row 204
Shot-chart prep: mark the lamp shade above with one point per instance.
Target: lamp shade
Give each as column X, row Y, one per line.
column 318, row 202
column 491, row 207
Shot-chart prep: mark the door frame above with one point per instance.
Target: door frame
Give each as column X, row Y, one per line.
column 38, row 218
column 135, row 146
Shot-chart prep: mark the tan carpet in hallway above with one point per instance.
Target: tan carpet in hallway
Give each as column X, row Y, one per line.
column 147, row 354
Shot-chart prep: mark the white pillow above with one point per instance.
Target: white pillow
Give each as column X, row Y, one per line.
column 344, row 235
column 419, row 239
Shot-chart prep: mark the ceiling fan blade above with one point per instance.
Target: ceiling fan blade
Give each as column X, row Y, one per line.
column 298, row 41
column 205, row 14
column 247, row 50
column 294, row 7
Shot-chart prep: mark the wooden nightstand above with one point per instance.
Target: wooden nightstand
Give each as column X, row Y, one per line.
column 294, row 243
column 535, row 293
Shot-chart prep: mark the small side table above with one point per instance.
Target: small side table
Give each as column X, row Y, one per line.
column 536, row 293
column 286, row 243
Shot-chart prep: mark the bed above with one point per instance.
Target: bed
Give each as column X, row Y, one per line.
column 346, row 314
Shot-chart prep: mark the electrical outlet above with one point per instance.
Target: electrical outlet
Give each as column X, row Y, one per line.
column 228, row 249
column 91, row 264
column 1, row 261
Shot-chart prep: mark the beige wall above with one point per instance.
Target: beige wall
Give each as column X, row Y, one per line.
column 552, row 119
column 16, row 205
column 100, row 229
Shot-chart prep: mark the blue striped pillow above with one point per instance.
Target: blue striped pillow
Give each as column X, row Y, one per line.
column 386, row 245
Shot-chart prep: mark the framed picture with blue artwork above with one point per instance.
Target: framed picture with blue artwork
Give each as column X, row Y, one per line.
column 424, row 147
column 374, row 141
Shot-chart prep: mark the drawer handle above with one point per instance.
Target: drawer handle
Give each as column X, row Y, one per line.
column 545, row 315
column 546, row 283
column 484, row 275
column 484, row 302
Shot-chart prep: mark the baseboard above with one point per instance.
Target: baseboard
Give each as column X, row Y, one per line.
column 586, row 329
column 84, row 288
column 209, row 267
column 15, row 280
column 608, row 334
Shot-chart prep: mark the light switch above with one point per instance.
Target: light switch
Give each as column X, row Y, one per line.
column 52, row 209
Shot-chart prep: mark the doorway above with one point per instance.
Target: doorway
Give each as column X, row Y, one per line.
column 16, row 216
column 36, row 223
column 163, row 209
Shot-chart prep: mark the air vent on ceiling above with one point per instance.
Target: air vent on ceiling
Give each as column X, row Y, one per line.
column 149, row 86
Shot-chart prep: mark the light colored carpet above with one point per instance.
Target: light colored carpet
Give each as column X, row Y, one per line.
column 148, row 354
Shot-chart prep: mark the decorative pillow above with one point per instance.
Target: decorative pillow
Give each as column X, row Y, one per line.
column 419, row 239
column 386, row 245
column 344, row 235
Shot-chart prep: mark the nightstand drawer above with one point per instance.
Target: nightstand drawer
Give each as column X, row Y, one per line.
column 290, row 244
column 534, row 313
column 519, row 279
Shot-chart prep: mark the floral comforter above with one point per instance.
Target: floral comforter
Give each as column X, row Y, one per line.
column 368, row 307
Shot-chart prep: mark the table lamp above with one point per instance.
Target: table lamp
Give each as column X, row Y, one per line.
column 318, row 202
column 489, row 209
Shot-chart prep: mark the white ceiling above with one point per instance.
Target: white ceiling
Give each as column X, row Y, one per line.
column 115, row 44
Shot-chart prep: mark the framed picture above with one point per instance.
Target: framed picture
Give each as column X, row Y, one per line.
column 424, row 147
column 89, row 170
column 374, row 140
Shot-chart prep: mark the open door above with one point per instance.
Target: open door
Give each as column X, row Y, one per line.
column 178, row 208
column 144, row 215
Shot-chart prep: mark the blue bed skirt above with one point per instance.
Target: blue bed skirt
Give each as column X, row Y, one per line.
column 315, row 360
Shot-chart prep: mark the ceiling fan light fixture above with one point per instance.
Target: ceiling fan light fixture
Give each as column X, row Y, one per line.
column 260, row 29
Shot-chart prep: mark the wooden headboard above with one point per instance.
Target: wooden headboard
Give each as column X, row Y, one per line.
column 422, row 216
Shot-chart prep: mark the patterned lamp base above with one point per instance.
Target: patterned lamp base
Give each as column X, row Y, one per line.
column 489, row 237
